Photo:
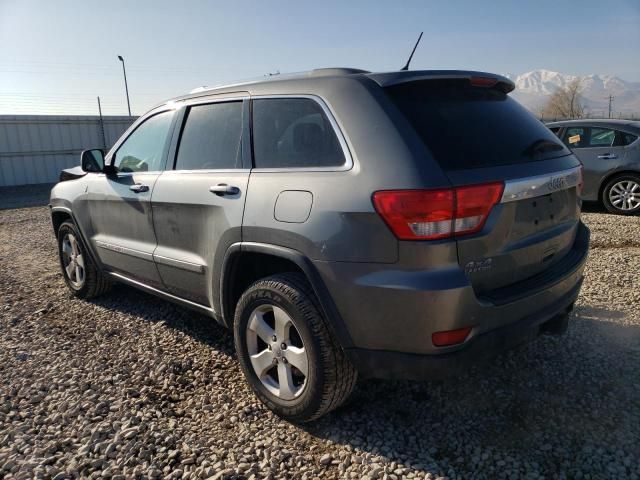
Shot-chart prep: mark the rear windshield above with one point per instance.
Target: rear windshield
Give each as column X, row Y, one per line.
column 471, row 127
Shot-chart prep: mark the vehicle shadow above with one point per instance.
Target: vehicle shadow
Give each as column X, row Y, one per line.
column 594, row 207
column 529, row 407
column 129, row 301
column 577, row 393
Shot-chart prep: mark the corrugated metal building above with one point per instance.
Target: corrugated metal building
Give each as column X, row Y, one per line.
column 34, row 148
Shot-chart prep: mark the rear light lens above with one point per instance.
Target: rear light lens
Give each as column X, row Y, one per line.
column 450, row 337
column 434, row 214
column 580, row 180
column 413, row 214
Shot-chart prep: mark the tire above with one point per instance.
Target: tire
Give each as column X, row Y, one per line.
column 629, row 183
column 330, row 377
column 90, row 282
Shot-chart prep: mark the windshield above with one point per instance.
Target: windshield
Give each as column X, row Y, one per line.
column 471, row 127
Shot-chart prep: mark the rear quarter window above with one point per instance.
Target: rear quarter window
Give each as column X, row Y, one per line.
column 468, row 127
column 627, row 138
column 293, row 133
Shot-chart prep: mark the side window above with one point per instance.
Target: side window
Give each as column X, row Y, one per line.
column 556, row 131
column 211, row 137
column 576, row 137
column 142, row 150
column 624, row 138
column 293, row 133
column 602, row 137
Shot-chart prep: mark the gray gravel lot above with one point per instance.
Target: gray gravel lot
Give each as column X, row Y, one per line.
column 130, row 386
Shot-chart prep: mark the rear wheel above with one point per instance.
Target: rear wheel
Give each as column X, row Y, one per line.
column 289, row 357
column 621, row 195
column 80, row 273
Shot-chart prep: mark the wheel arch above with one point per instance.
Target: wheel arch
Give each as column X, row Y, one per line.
column 266, row 260
column 59, row 215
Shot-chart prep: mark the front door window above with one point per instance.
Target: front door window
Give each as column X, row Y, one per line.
column 142, row 150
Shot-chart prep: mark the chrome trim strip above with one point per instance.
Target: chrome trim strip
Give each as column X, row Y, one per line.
column 131, row 174
column 348, row 165
column 124, row 250
column 172, row 262
column 208, row 170
column 160, row 293
column 537, row 186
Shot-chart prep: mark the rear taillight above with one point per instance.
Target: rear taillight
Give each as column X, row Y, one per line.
column 433, row 214
column 473, row 205
column 580, row 180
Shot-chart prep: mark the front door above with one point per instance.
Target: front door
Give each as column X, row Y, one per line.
column 120, row 203
column 198, row 205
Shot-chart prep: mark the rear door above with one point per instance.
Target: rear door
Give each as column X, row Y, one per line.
column 120, row 204
column 478, row 134
column 198, row 202
column 600, row 150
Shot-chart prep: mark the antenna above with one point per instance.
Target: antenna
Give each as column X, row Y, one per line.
column 406, row 67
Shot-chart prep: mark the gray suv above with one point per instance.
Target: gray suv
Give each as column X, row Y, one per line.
column 341, row 223
column 610, row 153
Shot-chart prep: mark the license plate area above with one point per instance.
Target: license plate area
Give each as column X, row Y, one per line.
column 537, row 214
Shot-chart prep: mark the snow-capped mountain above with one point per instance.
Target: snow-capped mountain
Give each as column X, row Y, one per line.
column 533, row 89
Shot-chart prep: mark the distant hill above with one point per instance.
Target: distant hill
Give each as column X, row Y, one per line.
column 533, row 89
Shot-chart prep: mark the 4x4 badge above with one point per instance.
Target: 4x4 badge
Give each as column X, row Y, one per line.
column 478, row 266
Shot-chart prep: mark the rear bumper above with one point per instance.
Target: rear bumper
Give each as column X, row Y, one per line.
column 398, row 365
column 391, row 313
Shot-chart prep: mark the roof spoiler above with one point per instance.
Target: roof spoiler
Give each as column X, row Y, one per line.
column 479, row 79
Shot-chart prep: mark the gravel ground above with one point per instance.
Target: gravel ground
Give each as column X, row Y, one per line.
column 129, row 386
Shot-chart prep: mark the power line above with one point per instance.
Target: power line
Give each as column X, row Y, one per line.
column 70, row 95
column 85, row 72
column 66, row 66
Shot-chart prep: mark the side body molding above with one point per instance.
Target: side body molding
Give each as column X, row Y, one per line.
column 329, row 310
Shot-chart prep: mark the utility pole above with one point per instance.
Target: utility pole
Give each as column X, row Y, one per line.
column 104, row 140
column 124, row 71
column 610, row 100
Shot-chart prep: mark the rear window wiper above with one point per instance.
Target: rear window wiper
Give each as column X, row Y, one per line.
column 542, row 146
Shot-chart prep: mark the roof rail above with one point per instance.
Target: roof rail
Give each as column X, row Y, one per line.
column 318, row 72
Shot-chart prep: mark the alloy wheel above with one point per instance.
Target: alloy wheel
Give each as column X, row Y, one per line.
column 73, row 260
column 277, row 353
column 625, row 195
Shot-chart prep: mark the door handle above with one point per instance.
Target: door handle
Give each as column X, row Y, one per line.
column 608, row 156
column 224, row 189
column 139, row 188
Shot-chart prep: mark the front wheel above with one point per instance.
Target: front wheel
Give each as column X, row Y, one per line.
column 289, row 357
column 621, row 195
column 80, row 273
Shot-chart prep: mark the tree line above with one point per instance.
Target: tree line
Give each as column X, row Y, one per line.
column 567, row 103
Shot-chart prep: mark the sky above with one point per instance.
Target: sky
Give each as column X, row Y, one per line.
column 57, row 56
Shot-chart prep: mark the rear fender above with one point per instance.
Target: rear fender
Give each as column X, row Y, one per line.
column 329, row 310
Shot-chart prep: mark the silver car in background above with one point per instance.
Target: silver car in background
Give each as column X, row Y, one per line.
column 610, row 153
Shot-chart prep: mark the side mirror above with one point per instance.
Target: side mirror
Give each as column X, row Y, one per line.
column 92, row 160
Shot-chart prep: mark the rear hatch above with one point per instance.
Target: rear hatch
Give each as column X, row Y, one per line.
column 479, row 135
